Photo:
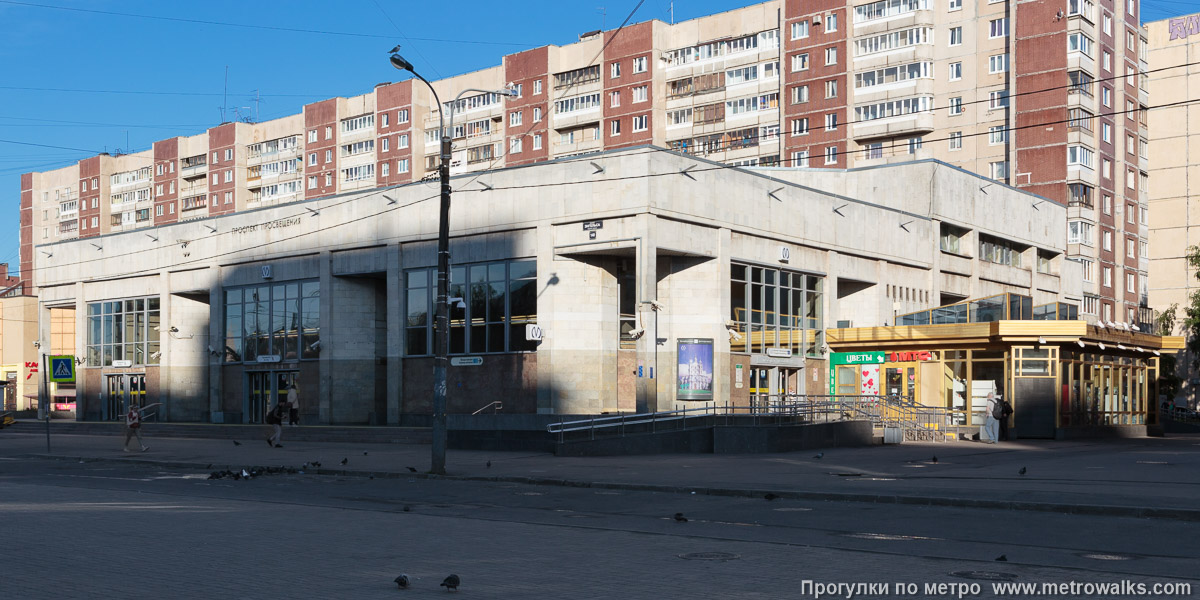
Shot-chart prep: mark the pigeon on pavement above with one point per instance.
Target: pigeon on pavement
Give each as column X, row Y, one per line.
column 489, row 464
column 407, row 509
column 411, row 470
column 364, row 452
column 451, row 582
column 935, row 460
column 770, row 496
column 402, row 581
column 1002, row 558
column 680, row 518
column 344, row 461
column 1022, row 471
column 236, row 443
column 820, row 455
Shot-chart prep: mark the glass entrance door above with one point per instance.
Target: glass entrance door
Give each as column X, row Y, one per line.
column 119, row 389
column 901, row 380
column 263, row 390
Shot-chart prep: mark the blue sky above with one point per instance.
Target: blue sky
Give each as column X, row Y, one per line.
column 95, row 82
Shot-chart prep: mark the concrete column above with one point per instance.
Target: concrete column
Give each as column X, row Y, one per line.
column 935, row 266
column 721, row 363
column 216, row 321
column 81, row 333
column 395, row 334
column 647, row 290
column 545, row 307
column 972, row 238
column 164, row 339
column 324, row 363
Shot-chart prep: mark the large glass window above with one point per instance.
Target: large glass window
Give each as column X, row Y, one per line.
column 773, row 308
column 498, row 300
column 123, row 330
column 272, row 319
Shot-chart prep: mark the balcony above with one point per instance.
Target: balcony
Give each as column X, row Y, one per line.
column 903, row 125
column 194, row 171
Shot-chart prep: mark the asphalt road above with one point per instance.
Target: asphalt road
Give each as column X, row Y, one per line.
column 105, row 529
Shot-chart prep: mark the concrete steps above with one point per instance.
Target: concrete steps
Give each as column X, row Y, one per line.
column 318, row 433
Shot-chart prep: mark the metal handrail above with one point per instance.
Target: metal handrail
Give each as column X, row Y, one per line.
column 496, row 403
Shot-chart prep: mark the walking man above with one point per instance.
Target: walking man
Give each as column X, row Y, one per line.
column 275, row 420
column 991, row 424
column 133, row 425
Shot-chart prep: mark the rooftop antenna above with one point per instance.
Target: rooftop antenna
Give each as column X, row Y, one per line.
column 225, row 96
column 671, row 10
column 603, row 15
column 257, row 99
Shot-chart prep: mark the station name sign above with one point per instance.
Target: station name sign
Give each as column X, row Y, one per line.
column 276, row 224
column 1183, row 27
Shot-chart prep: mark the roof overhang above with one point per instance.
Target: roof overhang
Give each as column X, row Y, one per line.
column 998, row 332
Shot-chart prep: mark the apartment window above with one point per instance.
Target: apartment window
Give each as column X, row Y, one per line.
column 518, row 90
column 228, row 197
column 312, row 136
column 159, row 169
column 800, row 126
column 384, row 122
column 537, row 87
column 614, row 70
column 537, row 141
column 1077, row 42
column 1143, row 249
column 1107, row 24
column 1130, row 179
column 956, row 106
column 1106, row 60
column 358, row 173
column 229, row 154
column 95, row 222
column 384, row 144
column 328, row 179
column 741, row 75
column 158, row 210
column 1106, row 168
column 1144, row 180
column 1079, row 232
column 998, row 63
column 800, row 159
column 402, row 166
column 229, row 176
column 831, row 88
column 956, row 138
column 312, row 159
column 514, row 145
column 998, row 99
column 385, row 169
column 402, row 116
column 328, row 155
column 682, row 116
column 171, row 208
column 312, row 183
column 515, row 118
column 956, row 36
column 831, row 56
column 955, row 71
column 1080, row 155
column 1079, row 194
column 640, row 123
column 1130, row 248
column 799, row 94
column 954, row 5
column 999, row 170
column 537, row 114
column 887, row 8
column 171, row 188
column 402, row 141
column 216, row 157
column 1143, row 148
column 914, row 144
column 831, row 22
column 1106, row 132
column 1130, row 41
column 158, row 189
column 640, row 93
column 831, row 153
column 1107, row 278
column 799, row 30
column 872, row 150
column 1078, row 118
column 639, row 64
column 1106, row 240
column 997, row 28
column 799, row 62
column 1107, row 204
column 1130, row 283
column 614, row 127
column 830, row 121
column 329, row 133
column 997, row 134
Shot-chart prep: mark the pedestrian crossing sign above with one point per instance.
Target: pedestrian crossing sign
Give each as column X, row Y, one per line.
column 62, row 369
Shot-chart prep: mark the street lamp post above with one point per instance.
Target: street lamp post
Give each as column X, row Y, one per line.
column 441, row 334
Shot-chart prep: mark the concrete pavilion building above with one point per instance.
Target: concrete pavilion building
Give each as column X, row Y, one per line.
column 1043, row 96
column 656, row 280
column 1175, row 172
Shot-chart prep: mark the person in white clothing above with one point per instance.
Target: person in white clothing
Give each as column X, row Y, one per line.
column 133, row 425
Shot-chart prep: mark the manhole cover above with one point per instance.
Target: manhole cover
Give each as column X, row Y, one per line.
column 1107, row 556
column 709, row 556
column 985, row 575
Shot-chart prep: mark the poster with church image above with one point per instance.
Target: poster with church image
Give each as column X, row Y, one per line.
column 695, row 373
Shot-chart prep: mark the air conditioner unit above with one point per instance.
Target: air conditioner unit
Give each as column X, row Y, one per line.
column 816, row 20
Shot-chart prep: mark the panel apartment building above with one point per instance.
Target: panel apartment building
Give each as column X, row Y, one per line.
column 1043, row 96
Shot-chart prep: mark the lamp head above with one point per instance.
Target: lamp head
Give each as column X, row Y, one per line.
column 399, row 62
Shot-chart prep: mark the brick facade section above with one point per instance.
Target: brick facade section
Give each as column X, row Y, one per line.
column 317, row 117
column 524, row 68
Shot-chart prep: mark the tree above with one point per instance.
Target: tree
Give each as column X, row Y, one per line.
column 1191, row 311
